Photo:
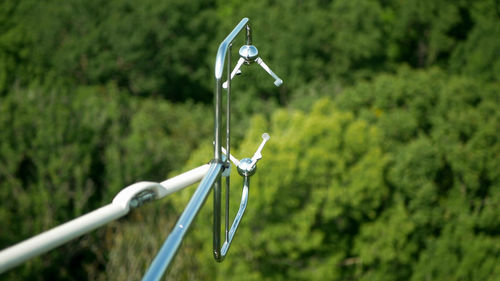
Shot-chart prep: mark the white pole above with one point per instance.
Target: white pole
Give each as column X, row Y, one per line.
column 50, row 239
column 120, row 206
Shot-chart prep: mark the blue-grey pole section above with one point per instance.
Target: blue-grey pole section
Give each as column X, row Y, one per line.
column 173, row 241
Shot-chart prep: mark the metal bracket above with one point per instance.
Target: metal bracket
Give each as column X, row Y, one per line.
column 248, row 54
column 246, row 168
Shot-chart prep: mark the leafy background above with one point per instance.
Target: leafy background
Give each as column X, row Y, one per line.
column 383, row 161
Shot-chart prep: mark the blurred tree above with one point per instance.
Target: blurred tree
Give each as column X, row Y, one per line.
column 51, row 167
column 149, row 48
column 442, row 134
column 159, row 136
column 478, row 54
column 66, row 152
column 424, row 33
column 14, row 45
column 166, row 49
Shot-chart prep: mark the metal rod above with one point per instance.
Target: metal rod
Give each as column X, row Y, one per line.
column 216, row 219
column 248, row 35
column 228, row 104
column 173, row 241
column 231, row 157
column 120, row 206
column 226, row 214
column 237, row 219
column 228, row 140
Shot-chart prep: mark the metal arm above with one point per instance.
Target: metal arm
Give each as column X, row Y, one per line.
column 246, row 168
column 249, row 54
column 236, row 71
column 277, row 81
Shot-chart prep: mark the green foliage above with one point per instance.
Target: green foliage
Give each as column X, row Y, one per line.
column 159, row 135
column 51, row 161
column 64, row 153
column 484, row 62
column 166, row 49
column 425, row 32
column 14, row 48
column 440, row 132
column 477, row 55
column 147, row 48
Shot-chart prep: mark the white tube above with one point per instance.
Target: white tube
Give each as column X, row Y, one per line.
column 50, row 239
column 59, row 235
column 183, row 180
